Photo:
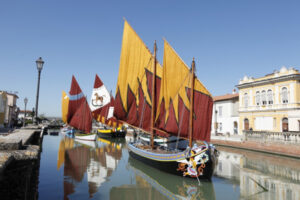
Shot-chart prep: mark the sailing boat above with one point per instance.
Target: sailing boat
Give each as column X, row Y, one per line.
column 102, row 106
column 164, row 101
column 79, row 113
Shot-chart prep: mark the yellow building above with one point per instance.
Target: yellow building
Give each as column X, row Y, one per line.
column 270, row 103
column 3, row 101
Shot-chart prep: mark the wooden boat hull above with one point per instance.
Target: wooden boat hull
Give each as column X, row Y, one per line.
column 111, row 133
column 88, row 137
column 201, row 164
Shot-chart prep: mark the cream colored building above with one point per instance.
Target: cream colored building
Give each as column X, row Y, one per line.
column 3, row 100
column 270, row 103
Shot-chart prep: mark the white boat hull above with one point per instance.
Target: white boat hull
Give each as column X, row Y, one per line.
column 88, row 137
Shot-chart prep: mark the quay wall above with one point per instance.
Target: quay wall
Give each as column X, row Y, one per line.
column 19, row 164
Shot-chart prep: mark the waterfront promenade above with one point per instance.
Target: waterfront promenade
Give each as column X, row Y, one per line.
column 236, row 141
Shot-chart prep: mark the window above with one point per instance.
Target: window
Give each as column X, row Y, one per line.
column 235, row 127
column 246, row 124
column 284, row 95
column 220, row 111
column 257, row 98
column 270, row 97
column 246, row 99
column 220, row 127
column 285, row 124
column 263, row 97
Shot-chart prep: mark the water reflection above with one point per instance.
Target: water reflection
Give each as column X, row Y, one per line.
column 104, row 170
column 151, row 183
column 260, row 176
column 95, row 159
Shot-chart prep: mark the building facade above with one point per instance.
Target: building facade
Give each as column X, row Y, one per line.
column 22, row 114
column 12, row 111
column 225, row 117
column 3, row 100
column 270, row 103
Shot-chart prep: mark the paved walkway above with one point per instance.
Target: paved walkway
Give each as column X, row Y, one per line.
column 292, row 150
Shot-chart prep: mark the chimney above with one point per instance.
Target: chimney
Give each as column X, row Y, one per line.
column 234, row 91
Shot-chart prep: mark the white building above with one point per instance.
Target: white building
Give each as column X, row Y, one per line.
column 22, row 114
column 225, row 118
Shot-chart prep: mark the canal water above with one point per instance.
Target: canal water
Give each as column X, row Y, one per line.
column 71, row 169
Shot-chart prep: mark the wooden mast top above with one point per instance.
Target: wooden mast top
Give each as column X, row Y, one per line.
column 153, row 96
column 191, row 104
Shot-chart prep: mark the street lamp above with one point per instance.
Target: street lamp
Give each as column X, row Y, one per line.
column 39, row 66
column 25, row 102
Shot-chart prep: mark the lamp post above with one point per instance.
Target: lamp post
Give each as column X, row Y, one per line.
column 39, row 66
column 25, row 102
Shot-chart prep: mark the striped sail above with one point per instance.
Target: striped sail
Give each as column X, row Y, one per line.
column 172, row 114
column 79, row 113
column 133, row 93
column 75, row 99
column 173, row 83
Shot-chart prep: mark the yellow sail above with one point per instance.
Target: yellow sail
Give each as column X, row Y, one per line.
column 175, row 81
column 64, row 104
column 135, row 59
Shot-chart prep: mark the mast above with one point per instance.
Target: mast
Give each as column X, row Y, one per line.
column 192, row 104
column 153, row 96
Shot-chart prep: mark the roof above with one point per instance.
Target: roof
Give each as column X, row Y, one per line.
column 226, row 97
column 27, row 111
column 9, row 93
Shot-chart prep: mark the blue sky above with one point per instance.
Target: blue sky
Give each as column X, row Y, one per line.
column 228, row 38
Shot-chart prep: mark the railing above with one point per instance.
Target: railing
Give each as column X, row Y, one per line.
column 277, row 106
column 271, row 136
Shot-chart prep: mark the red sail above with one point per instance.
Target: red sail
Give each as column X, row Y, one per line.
column 82, row 119
column 102, row 104
column 133, row 92
column 76, row 98
column 174, row 103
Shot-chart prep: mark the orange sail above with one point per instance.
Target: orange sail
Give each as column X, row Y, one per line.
column 64, row 104
column 133, row 93
column 173, row 113
column 172, row 92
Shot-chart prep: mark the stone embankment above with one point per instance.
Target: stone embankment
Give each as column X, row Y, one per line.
column 19, row 163
column 21, row 144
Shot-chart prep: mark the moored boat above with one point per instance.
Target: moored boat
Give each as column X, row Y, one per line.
column 165, row 101
column 111, row 132
column 79, row 114
column 102, row 107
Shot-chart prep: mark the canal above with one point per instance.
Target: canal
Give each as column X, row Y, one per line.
column 103, row 169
